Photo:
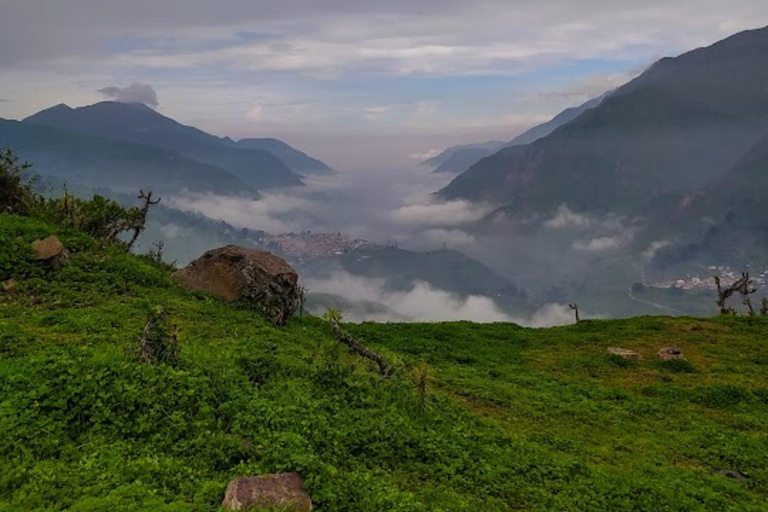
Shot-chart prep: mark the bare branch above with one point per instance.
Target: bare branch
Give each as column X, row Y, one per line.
column 575, row 308
column 385, row 370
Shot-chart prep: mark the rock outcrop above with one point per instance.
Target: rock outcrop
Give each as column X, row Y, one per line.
column 258, row 279
column 51, row 252
column 283, row 491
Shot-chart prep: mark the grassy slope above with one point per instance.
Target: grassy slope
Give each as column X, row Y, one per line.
column 517, row 419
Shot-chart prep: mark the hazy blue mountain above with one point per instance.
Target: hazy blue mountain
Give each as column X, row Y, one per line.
column 451, row 160
column 296, row 160
column 458, row 159
column 140, row 124
column 120, row 166
column 464, row 158
column 564, row 117
column 677, row 127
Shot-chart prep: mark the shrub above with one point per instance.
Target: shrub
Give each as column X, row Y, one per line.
column 159, row 342
column 16, row 195
column 677, row 366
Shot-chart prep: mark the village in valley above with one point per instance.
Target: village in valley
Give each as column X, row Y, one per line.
column 706, row 280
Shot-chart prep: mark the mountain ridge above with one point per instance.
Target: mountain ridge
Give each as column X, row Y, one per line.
column 648, row 138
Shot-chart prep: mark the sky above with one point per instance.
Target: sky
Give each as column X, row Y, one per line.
column 354, row 82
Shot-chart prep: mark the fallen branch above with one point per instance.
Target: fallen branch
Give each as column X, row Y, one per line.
column 385, row 370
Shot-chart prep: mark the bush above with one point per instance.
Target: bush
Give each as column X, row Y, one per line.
column 99, row 217
column 677, row 366
column 16, row 194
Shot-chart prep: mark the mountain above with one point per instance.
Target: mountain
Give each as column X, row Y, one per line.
column 564, row 117
column 680, row 125
column 464, row 158
column 723, row 223
column 140, row 124
column 458, row 159
column 63, row 156
column 298, row 161
column 452, row 159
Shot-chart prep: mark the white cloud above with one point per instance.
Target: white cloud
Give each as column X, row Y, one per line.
column 425, row 303
column 452, row 238
column 603, row 243
column 426, row 155
column 135, row 93
column 275, row 213
column 565, row 218
column 551, row 315
column 421, row 303
column 654, row 247
column 451, row 213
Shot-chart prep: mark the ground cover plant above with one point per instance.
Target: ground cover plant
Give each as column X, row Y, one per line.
column 473, row 418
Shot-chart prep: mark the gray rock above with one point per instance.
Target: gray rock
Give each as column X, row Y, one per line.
column 259, row 279
column 667, row 353
column 51, row 252
column 626, row 354
column 284, row 491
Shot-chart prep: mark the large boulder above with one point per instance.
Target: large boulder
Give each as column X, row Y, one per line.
column 236, row 274
column 283, row 491
column 51, row 252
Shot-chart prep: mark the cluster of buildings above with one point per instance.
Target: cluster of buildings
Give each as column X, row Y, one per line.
column 706, row 281
column 304, row 246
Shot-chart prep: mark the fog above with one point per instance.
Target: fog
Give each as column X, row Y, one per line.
column 425, row 303
column 548, row 257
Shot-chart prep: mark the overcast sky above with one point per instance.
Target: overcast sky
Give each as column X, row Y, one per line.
column 352, row 81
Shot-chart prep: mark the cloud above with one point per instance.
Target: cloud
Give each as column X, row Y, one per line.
column 135, row 93
column 550, row 315
column 603, row 243
column 422, row 302
column 425, row 303
column 655, row 247
column 565, row 217
column 426, row 155
column 275, row 213
column 451, row 238
column 451, row 213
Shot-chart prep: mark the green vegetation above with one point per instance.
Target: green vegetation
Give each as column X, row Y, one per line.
column 477, row 417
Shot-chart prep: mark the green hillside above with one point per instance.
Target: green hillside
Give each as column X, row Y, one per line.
column 513, row 418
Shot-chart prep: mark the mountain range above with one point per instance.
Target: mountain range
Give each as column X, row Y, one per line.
column 680, row 125
column 115, row 144
column 458, row 159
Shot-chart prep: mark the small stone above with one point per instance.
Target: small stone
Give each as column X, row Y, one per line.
column 667, row 353
column 284, row 491
column 51, row 252
column 626, row 354
column 8, row 286
column 733, row 474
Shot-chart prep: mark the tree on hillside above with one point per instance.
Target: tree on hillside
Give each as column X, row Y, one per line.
column 16, row 188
